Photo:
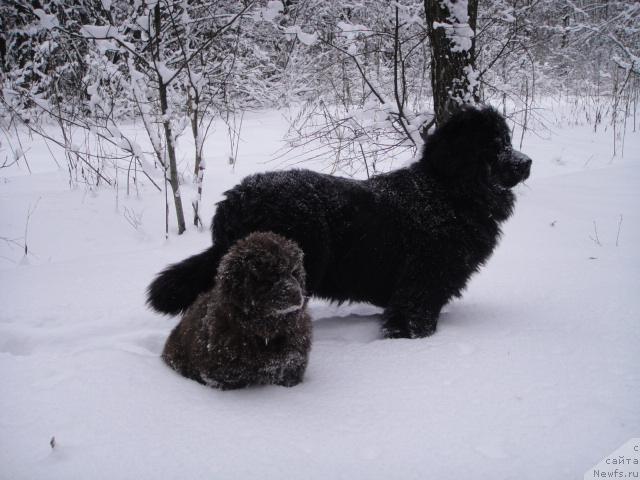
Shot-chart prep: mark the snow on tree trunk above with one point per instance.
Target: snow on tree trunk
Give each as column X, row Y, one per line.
column 193, row 104
column 197, row 220
column 199, row 165
column 451, row 26
column 173, row 168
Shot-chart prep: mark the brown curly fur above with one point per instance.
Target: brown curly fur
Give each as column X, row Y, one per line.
column 252, row 327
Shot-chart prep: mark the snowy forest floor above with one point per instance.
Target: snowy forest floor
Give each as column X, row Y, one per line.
column 532, row 374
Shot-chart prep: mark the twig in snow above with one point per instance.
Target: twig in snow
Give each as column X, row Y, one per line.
column 587, row 162
column 595, row 230
column 619, row 225
column 134, row 219
column 12, row 241
column 26, row 226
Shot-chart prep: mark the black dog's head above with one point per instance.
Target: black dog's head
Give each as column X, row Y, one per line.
column 474, row 145
column 263, row 277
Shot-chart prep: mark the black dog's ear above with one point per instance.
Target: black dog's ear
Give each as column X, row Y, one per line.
column 450, row 108
column 465, row 144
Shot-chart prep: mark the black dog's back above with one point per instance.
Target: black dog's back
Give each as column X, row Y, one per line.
column 356, row 235
column 307, row 207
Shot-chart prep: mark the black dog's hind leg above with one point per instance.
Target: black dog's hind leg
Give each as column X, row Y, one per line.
column 411, row 313
column 177, row 287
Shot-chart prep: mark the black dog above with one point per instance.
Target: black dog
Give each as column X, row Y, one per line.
column 252, row 328
column 407, row 240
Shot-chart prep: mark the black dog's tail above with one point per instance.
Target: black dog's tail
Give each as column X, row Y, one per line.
column 177, row 286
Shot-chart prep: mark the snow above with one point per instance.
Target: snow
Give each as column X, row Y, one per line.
column 461, row 35
column 351, row 31
column 46, row 21
column 98, row 31
column 307, row 39
column 290, row 309
column 273, row 10
column 457, row 29
column 166, row 73
column 532, row 374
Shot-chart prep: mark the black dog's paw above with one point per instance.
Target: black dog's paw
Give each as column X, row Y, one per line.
column 422, row 330
column 291, row 377
column 394, row 331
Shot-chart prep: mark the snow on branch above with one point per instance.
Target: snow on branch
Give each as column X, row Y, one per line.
column 307, row 39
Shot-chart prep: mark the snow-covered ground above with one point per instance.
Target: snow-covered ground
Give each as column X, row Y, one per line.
column 533, row 374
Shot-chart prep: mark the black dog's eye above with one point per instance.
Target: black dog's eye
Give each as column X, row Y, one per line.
column 504, row 143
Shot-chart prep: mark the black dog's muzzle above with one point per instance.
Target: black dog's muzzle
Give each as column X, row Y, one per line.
column 521, row 163
column 514, row 167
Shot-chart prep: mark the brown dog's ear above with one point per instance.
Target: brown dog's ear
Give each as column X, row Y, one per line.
column 231, row 276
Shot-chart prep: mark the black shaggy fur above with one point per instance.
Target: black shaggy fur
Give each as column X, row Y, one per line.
column 252, row 327
column 407, row 240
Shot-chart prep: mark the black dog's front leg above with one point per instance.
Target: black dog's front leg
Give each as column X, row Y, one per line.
column 411, row 314
column 291, row 377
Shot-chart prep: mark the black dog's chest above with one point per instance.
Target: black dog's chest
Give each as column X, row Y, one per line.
column 400, row 238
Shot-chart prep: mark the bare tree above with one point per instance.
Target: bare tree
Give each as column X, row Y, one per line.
column 375, row 72
column 452, row 25
column 152, row 56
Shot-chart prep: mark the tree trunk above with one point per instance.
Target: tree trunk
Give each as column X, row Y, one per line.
column 168, row 132
column 451, row 29
column 193, row 102
column 171, row 151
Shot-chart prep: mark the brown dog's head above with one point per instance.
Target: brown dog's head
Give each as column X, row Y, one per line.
column 263, row 279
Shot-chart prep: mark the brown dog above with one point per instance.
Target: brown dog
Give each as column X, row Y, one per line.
column 252, row 327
